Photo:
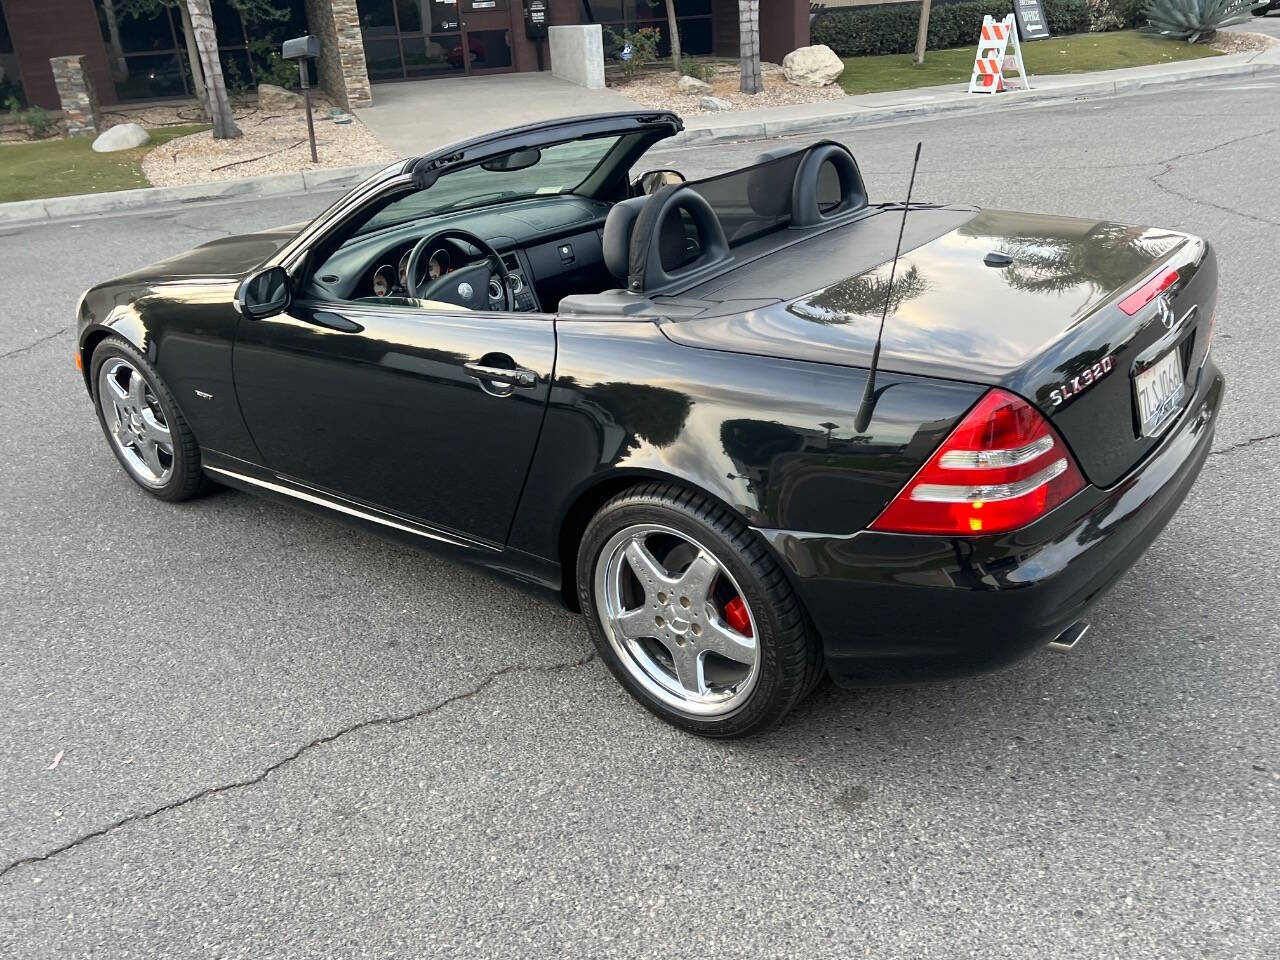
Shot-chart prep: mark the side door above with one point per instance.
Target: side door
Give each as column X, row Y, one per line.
column 429, row 415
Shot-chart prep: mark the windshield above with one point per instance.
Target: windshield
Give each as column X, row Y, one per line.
column 560, row 168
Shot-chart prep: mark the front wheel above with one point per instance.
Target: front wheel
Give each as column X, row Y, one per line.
column 692, row 614
column 143, row 424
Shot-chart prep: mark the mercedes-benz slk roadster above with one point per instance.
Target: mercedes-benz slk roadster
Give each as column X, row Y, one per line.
column 649, row 397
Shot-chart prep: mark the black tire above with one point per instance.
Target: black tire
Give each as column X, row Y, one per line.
column 789, row 655
column 186, row 479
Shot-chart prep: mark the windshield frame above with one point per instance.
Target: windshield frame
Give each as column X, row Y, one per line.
column 373, row 224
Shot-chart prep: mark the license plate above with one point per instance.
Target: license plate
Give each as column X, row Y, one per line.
column 1159, row 391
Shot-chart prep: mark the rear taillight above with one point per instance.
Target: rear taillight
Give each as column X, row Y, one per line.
column 1001, row 468
column 1149, row 291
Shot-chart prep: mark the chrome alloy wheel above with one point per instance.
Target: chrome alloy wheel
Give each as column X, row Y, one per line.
column 135, row 422
column 667, row 604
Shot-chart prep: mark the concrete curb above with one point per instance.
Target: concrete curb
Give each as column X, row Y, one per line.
column 61, row 208
column 860, row 116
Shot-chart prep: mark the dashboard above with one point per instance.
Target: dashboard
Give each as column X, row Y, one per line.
column 547, row 244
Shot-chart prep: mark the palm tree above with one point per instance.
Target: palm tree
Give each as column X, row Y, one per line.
column 922, row 35
column 749, row 45
column 219, row 104
column 674, row 27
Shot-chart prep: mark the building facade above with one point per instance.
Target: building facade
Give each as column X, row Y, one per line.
column 133, row 56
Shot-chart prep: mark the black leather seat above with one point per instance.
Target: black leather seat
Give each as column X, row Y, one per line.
column 618, row 226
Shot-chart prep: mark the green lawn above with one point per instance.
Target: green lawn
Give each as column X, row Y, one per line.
column 1078, row 53
column 59, row 168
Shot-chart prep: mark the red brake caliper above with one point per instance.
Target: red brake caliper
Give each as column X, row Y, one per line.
column 735, row 615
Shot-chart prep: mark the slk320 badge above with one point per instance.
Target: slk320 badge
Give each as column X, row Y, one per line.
column 1087, row 378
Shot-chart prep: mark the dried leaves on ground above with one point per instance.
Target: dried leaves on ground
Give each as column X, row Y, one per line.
column 1230, row 41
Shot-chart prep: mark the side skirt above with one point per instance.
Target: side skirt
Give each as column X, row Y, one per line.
column 536, row 573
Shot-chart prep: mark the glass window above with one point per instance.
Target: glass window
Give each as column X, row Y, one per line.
column 440, row 16
column 377, row 13
column 695, row 36
column 410, row 15
column 693, row 8
column 140, row 33
column 152, row 76
column 430, row 56
column 561, row 168
column 382, row 57
column 605, row 11
column 489, row 49
column 226, row 24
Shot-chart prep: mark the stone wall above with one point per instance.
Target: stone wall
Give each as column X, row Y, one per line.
column 75, row 92
column 340, row 68
column 355, row 75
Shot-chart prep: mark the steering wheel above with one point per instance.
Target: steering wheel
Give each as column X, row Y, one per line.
column 470, row 286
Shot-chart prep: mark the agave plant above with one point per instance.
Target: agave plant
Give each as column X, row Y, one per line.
column 1193, row 20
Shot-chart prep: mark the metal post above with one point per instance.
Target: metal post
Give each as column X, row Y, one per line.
column 306, row 97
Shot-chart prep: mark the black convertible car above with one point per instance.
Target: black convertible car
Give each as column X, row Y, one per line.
column 649, row 397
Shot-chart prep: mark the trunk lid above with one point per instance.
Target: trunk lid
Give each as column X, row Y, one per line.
column 1046, row 324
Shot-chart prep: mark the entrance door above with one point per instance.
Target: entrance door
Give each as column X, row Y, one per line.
column 419, row 39
column 486, row 26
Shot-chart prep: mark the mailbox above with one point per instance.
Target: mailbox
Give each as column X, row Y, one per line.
column 535, row 19
column 300, row 47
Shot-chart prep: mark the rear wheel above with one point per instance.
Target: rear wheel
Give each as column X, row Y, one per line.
column 143, row 424
column 692, row 614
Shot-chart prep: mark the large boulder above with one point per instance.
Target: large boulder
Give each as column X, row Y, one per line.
column 693, row 85
column 715, row 104
column 273, row 99
column 123, row 136
column 815, row 66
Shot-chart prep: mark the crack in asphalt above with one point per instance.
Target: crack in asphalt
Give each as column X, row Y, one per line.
column 262, row 775
column 1231, row 448
column 1168, row 163
column 35, row 343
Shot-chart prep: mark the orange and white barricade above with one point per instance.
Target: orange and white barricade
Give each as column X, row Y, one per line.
column 993, row 63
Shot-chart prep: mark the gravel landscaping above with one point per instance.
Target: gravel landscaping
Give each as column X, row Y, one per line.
column 658, row 90
column 272, row 143
column 1233, row 42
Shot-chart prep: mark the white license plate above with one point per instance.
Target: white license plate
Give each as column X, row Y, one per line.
column 1159, row 392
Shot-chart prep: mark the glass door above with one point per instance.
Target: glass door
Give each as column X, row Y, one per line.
column 486, row 26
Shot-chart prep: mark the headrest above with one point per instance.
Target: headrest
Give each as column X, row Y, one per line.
column 617, row 235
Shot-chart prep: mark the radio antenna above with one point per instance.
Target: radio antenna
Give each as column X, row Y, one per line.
column 863, row 418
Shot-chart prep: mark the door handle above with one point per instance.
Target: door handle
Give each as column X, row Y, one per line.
column 334, row 321
column 516, row 377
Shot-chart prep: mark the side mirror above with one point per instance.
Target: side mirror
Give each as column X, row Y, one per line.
column 654, row 180
column 264, row 294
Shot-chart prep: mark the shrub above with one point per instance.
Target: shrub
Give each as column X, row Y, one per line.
column 644, row 48
column 1193, row 20
column 868, row 31
column 39, row 120
column 697, row 69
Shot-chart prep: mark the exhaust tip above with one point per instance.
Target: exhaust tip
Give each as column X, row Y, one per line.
column 1069, row 637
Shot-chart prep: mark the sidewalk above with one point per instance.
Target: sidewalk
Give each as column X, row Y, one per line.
column 417, row 117
column 412, row 124
column 955, row 98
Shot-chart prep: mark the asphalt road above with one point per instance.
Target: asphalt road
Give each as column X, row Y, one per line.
column 1268, row 24
column 280, row 737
